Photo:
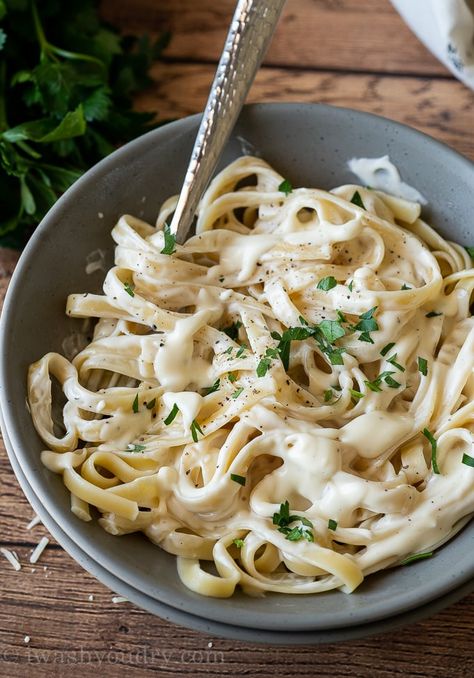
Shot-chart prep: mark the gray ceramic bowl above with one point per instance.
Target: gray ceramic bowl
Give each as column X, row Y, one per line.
column 310, row 144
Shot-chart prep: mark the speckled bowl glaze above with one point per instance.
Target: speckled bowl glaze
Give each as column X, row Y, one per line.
column 309, row 144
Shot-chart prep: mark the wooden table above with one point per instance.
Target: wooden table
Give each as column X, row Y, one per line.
column 355, row 53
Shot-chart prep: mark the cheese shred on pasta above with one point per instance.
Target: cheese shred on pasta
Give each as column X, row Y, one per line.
column 284, row 402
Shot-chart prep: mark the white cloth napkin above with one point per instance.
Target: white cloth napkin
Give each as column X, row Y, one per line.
column 446, row 27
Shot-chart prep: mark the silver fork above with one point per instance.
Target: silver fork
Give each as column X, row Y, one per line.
column 250, row 32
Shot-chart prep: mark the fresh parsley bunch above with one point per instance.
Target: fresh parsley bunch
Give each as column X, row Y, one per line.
column 66, row 86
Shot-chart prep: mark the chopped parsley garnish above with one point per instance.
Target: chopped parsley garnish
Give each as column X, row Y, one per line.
column 232, row 377
column 468, row 460
column 327, row 284
column 405, row 287
column 195, row 429
column 283, row 519
column 129, row 287
column 341, row 316
column 357, row 395
column 432, row 314
column 390, row 381
column 332, row 524
column 325, row 334
column 415, row 557
column 386, row 377
column 172, row 415
column 170, row 241
column 470, row 251
column 328, row 395
column 238, row 479
column 423, row 366
column 393, row 361
column 135, row 404
column 151, row 404
column 434, row 448
column 233, row 330
column 229, row 350
column 241, row 351
column 215, row 387
column 373, row 385
column 285, row 187
column 332, row 330
column 136, row 448
column 387, row 348
column 238, row 542
column 236, row 393
column 351, row 285
column 357, row 200
column 264, row 364
column 366, row 325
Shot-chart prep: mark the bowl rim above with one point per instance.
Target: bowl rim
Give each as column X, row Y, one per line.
column 205, row 607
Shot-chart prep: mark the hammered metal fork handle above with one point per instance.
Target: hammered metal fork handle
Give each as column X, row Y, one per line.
column 252, row 27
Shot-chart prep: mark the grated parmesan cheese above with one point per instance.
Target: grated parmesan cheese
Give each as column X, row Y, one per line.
column 14, row 562
column 26, row 639
column 35, row 521
column 119, row 599
column 36, row 553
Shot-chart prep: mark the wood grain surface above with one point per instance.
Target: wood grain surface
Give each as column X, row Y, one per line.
column 355, row 53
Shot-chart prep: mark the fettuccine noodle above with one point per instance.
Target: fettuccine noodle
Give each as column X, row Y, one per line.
column 284, row 402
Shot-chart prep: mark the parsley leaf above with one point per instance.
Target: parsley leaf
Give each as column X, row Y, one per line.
column 327, row 284
column 357, row 395
column 151, row 404
column 170, row 241
column 236, row 393
column 238, row 542
column 129, row 287
column 405, row 287
column 416, row 556
column 215, row 387
column 434, row 448
column 283, row 519
column 233, row 330
column 366, row 324
column 387, row 348
column 135, row 404
column 386, row 377
column 61, row 110
column 332, row 524
column 470, row 251
column 328, row 395
column 285, row 187
column 423, row 366
column 172, row 415
column 393, row 361
column 241, row 351
column 357, row 200
column 351, row 285
column 238, row 479
column 195, row 429
column 468, row 460
column 332, row 330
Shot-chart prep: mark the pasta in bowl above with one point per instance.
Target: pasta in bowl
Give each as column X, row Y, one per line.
column 285, row 401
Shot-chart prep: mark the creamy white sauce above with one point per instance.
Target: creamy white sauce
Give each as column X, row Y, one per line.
column 383, row 174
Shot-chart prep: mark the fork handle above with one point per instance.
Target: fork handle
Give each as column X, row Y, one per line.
column 250, row 32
